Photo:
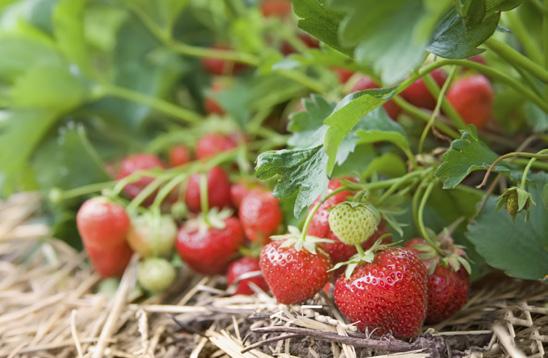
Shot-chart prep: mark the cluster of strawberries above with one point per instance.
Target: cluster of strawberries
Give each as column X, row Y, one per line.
column 385, row 289
column 220, row 216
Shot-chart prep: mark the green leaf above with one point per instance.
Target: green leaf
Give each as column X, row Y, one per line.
column 307, row 126
column 455, row 37
column 140, row 66
column 466, row 155
column 388, row 164
column 101, row 24
column 346, row 115
column 519, row 247
column 68, row 23
column 536, row 117
column 19, row 53
column 320, row 21
column 48, row 86
column 68, row 161
column 384, row 35
column 20, row 134
column 296, row 172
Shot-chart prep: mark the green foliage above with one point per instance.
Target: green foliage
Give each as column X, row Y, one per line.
column 466, row 155
column 346, row 115
column 296, row 172
column 68, row 161
column 517, row 246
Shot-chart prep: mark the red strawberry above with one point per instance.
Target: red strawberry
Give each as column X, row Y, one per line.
column 218, row 66
column 340, row 252
column 343, row 74
column 447, row 288
column 236, row 273
column 388, row 295
column 275, row 8
column 134, row 163
column 308, row 40
column 103, row 226
column 472, row 98
column 210, row 104
column 218, row 190
column 237, row 193
column 417, row 93
column 478, row 58
column 293, row 275
column 365, row 83
column 179, row 155
column 260, row 215
column 447, row 293
column 208, row 250
column 212, row 144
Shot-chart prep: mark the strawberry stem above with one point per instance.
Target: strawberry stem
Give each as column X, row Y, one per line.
column 538, row 155
column 528, row 167
column 204, row 200
column 315, row 208
column 420, row 217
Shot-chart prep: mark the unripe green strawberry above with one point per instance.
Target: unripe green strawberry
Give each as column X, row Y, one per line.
column 353, row 223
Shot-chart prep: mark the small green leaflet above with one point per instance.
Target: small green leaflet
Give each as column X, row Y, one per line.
column 457, row 38
column 378, row 127
column 346, row 115
column 68, row 24
column 22, row 126
column 466, row 155
column 307, row 126
column 320, row 21
column 68, row 160
column 297, row 172
column 517, row 246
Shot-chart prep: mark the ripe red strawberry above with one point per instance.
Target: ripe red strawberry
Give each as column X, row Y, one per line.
column 218, row 190
column 260, row 215
column 210, row 104
column 308, row 40
column 447, row 288
column 212, row 144
column 417, row 93
column 478, row 58
column 365, row 83
column 134, row 163
column 218, row 66
column 340, row 252
column 275, row 8
column 236, row 273
column 343, row 74
column 388, row 295
column 447, row 293
column 293, row 275
column 472, row 98
column 179, row 155
column 103, row 226
column 208, row 250
column 237, row 193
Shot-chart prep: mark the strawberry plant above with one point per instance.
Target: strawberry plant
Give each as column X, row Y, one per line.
column 312, row 137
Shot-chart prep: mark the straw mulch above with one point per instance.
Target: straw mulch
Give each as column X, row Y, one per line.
column 49, row 307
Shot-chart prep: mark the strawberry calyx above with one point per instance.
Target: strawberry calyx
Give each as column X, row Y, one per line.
column 364, row 256
column 213, row 218
column 443, row 251
column 294, row 238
